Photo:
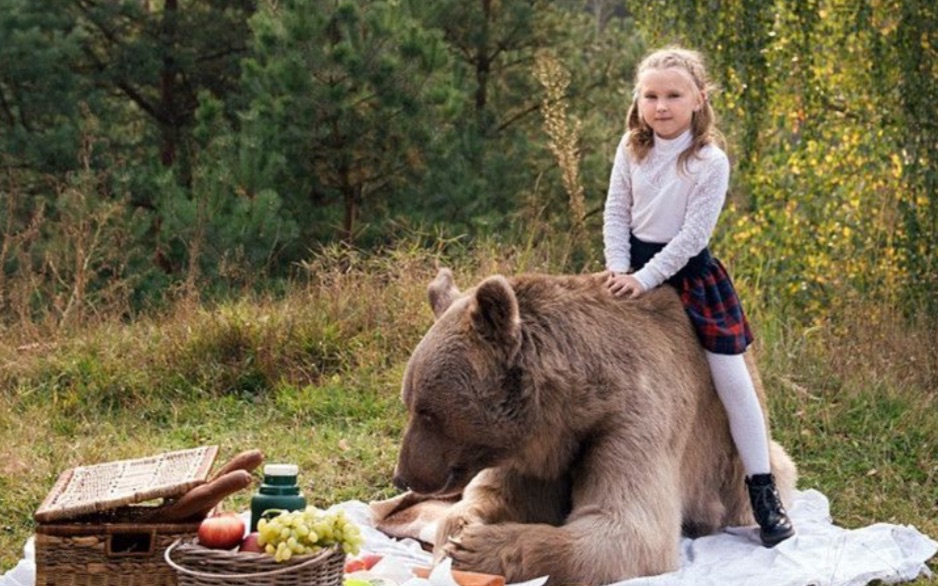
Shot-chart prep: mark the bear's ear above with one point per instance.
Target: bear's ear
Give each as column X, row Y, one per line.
column 495, row 315
column 442, row 291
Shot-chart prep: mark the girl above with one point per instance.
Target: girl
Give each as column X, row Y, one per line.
column 667, row 188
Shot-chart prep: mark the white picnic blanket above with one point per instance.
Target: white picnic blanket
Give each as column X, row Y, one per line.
column 821, row 554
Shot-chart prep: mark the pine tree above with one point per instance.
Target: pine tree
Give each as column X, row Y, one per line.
column 341, row 92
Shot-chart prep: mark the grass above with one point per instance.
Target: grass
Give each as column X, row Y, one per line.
column 313, row 376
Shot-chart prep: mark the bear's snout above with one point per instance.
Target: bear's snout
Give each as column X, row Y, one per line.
column 400, row 482
column 428, row 462
column 428, row 480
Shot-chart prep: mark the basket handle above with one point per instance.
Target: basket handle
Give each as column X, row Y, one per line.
column 184, row 570
column 130, row 543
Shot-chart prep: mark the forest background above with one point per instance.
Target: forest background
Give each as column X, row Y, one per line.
column 152, row 149
column 209, row 205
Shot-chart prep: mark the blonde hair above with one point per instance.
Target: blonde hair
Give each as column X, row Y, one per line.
column 703, row 123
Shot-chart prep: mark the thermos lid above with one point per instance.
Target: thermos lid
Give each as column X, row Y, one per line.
column 281, row 470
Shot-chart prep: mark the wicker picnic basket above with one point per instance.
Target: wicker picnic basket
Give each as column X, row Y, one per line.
column 196, row 565
column 94, row 530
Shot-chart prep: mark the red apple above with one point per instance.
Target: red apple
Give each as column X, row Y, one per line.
column 249, row 543
column 222, row 531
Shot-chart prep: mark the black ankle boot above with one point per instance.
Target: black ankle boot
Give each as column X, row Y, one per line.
column 768, row 510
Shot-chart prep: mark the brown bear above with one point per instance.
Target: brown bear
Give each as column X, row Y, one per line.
column 582, row 429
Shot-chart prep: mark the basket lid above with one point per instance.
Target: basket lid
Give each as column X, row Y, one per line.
column 101, row 487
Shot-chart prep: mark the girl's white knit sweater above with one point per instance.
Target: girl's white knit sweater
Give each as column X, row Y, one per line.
column 659, row 202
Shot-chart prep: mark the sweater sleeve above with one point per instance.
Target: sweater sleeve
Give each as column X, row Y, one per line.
column 617, row 216
column 703, row 209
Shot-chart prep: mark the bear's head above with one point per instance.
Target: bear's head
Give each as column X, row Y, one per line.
column 463, row 388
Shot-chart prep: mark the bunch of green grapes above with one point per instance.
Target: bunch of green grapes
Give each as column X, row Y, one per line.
column 304, row 532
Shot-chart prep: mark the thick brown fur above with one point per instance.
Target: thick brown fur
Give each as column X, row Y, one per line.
column 582, row 429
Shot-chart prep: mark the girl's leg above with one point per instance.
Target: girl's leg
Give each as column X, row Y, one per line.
column 747, row 426
column 747, row 422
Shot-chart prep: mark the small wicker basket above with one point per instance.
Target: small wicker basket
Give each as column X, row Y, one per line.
column 196, row 565
column 107, row 554
column 92, row 529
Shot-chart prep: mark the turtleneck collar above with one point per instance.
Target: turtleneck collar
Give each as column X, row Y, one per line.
column 674, row 145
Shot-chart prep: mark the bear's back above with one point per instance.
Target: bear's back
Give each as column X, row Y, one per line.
column 578, row 309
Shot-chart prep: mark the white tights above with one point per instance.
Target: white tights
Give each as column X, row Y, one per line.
column 747, row 423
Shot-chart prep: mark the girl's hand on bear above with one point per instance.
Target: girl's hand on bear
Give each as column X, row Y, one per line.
column 623, row 285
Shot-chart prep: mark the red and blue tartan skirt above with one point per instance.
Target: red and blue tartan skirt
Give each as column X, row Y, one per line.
column 709, row 299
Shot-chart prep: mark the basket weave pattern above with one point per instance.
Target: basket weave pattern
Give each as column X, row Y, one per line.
column 94, row 560
column 196, row 565
column 102, row 487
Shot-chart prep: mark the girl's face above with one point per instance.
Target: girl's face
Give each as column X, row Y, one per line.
column 667, row 100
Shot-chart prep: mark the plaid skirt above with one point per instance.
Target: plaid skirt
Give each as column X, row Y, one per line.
column 708, row 296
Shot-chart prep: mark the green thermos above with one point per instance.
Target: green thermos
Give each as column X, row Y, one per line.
column 279, row 492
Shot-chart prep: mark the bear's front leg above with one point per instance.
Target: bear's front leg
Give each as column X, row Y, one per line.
column 482, row 502
column 459, row 516
column 508, row 549
column 498, row 496
column 618, row 529
column 594, row 550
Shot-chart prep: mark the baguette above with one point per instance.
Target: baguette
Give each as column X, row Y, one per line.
column 199, row 501
column 465, row 578
column 247, row 460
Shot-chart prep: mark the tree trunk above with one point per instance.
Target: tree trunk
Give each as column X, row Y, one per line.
column 351, row 189
column 350, row 199
column 482, row 62
column 169, row 131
